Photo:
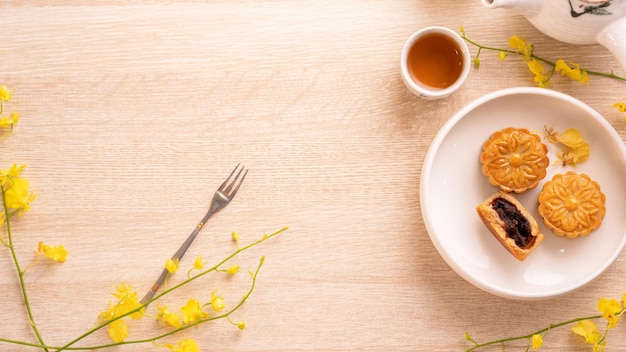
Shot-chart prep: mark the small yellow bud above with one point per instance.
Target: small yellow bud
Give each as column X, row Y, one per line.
column 198, row 264
column 171, row 265
column 217, row 302
column 233, row 270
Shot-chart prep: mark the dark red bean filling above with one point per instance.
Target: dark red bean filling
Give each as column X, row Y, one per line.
column 516, row 225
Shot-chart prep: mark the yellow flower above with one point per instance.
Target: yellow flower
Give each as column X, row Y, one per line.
column 15, row 188
column 502, row 55
column 127, row 301
column 5, row 94
column 571, row 138
column 621, row 106
column 186, row 345
column 536, row 67
column 168, row 318
column 241, row 325
column 233, row 269
column 574, row 72
column 588, row 330
column 171, row 265
column 198, row 264
column 573, row 156
column 235, row 236
column 537, row 341
column 575, row 149
column 217, row 302
column 609, row 308
column 9, row 122
column 117, row 331
column 519, row 44
column 55, row 253
column 192, row 312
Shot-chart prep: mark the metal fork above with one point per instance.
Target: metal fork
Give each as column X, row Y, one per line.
column 222, row 197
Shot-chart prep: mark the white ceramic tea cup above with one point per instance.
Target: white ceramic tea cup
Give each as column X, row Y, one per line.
column 443, row 59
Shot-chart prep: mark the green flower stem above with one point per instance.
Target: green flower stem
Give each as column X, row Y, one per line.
column 68, row 347
column 20, row 273
column 532, row 55
column 538, row 332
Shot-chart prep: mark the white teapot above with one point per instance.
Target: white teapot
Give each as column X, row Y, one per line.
column 576, row 21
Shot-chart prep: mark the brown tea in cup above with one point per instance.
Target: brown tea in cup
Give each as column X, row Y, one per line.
column 435, row 60
column 434, row 63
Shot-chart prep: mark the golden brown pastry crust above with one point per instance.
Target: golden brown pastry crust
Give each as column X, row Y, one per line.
column 496, row 225
column 514, row 159
column 572, row 204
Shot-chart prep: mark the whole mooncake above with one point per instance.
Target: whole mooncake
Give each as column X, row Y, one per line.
column 514, row 159
column 572, row 204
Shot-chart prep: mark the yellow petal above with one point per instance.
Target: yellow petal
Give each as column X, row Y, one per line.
column 588, row 330
column 571, row 138
column 118, row 331
column 55, row 253
column 5, row 94
column 621, row 106
column 171, row 265
column 537, row 341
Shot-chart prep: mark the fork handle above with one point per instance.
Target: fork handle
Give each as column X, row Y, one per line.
column 178, row 255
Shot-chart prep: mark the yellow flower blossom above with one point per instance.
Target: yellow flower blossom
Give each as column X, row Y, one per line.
column 16, row 193
column 198, row 264
column 168, row 318
column 588, row 330
column 536, row 67
column 241, row 325
column 9, row 122
column 217, row 302
column 233, row 269
column 5, row 93
column 192, row 312
column 55, row 253
column 118, row 331
column 574, row 156
column 571, row 138
column 171, row 265
column 537, row 341
column 574, row 148
column 621, row 106
column 127, row 301
column 502, row 55
column 610, row 309
column 235, row 236
column 186, row 345
column 521, row 46
column 574, row 72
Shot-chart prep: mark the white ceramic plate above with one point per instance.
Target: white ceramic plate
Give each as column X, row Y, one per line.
column 452, row 185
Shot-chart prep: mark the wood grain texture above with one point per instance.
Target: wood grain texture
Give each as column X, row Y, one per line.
column 133, row 112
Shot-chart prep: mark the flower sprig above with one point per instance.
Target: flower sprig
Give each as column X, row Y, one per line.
column 17, row 197
column 610, row 310
column 537, row 65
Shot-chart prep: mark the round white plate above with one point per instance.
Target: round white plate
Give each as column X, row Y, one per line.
column 452, row 185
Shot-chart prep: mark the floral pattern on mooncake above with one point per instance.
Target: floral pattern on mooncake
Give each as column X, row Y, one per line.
column 514, row 159
column 572, row 204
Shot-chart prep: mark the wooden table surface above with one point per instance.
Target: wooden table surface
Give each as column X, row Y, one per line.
column 132, row 113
